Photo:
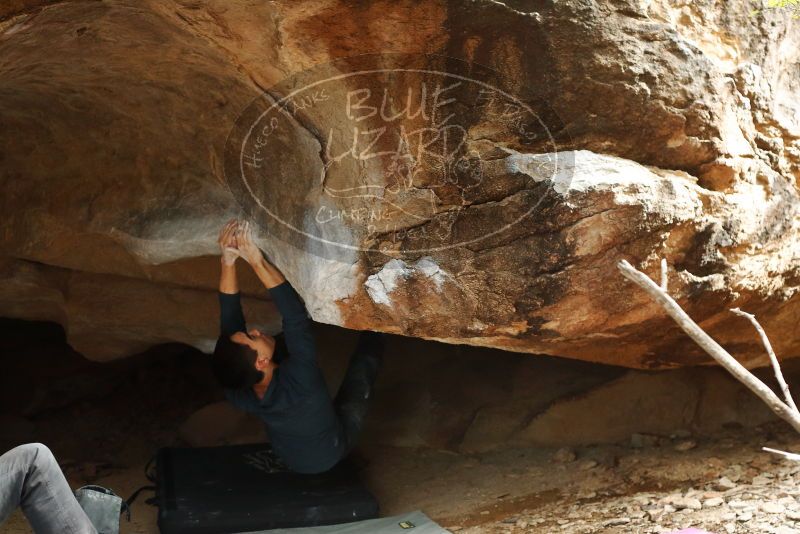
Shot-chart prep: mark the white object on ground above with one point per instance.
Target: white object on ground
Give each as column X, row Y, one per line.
column 422, row 524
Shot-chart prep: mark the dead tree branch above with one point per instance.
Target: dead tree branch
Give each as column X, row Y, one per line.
column 772, row 357
column 720, row 355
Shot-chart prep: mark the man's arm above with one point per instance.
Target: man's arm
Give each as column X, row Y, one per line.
column 231, row 318
column 296, row 325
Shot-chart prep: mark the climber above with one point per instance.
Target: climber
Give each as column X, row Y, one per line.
column 281, row 382
column 31, row 479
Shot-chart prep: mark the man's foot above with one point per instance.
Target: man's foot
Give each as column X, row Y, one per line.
column 371, row 346
column 362, row 371
column 372, row 343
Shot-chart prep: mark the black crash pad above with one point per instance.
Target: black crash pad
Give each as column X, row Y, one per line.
column 240, row 488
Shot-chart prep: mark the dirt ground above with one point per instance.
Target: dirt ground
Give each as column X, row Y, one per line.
column 105, row 422
column 652, row 484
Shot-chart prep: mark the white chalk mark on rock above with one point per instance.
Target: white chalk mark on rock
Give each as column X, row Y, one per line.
column 381, row 284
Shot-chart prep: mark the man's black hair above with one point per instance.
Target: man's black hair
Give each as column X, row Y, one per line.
column 233, row 364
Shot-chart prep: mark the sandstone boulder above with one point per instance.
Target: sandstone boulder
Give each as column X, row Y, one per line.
column 558, row 138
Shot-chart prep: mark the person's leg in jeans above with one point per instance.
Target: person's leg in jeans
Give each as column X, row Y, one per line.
column 352, row 400
column 31, row 479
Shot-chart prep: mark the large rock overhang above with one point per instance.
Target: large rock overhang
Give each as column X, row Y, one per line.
column 672, row 133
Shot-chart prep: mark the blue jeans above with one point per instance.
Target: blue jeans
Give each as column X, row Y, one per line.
column 352, row 400
column 31, row 479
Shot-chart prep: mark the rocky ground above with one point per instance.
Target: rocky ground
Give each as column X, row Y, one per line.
column 723, row 486
column 652, row 484
column 104, row 422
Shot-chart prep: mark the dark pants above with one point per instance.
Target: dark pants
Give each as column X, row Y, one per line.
column 352, row 400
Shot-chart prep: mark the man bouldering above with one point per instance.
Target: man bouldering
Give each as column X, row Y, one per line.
column 282, row 383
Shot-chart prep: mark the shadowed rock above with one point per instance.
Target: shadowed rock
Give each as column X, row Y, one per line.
column 637, row 131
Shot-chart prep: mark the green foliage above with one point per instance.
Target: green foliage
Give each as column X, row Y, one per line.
column 792, row 5
column 783, row 3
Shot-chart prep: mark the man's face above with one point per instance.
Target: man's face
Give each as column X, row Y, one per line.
column 263, row 345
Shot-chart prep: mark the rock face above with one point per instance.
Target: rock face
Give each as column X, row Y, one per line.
column 475, row 399
column 539, row 144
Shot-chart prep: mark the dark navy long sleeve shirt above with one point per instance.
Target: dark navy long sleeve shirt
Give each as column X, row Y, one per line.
column 296, row 408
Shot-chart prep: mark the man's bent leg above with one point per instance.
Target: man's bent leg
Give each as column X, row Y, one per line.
column 31, row 479
column 352, row 400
